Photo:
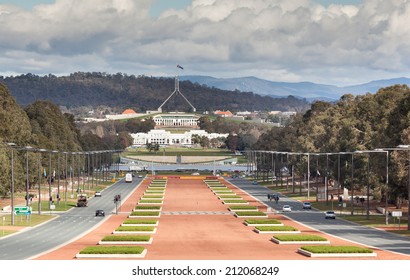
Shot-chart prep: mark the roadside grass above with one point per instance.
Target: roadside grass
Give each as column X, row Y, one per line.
column 31, row 220
column 328, row 249
column 299, row 237
column 112, row 250
column 7, row 232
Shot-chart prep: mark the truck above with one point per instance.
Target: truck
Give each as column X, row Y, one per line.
column 128, row 178
column 82, row 201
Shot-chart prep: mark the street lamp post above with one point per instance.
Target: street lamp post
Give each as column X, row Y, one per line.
column 12, row 181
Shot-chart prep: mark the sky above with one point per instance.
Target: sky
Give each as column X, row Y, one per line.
column 332, row 42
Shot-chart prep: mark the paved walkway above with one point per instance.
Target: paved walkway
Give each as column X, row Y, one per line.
column 195, row 225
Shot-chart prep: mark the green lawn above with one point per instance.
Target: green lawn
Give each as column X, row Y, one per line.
column 31, row 220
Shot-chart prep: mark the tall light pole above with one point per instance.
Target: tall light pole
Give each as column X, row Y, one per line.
column 12, row 145
column 407, row 147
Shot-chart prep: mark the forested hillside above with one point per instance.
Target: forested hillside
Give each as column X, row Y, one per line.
column 140, row 93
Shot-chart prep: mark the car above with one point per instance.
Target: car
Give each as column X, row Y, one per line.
column 97, row 194
column 286, row 208
column 254, row 183
column 99, row 213
column 139, row 176
column 307, row 205
column 330, row 215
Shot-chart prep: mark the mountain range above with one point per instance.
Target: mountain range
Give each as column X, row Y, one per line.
column 307, row 90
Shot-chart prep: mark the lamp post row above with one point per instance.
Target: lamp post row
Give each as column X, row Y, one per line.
column 13, row 147
column 253, row 157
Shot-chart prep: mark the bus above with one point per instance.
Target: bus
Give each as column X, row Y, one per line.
column 128, row 178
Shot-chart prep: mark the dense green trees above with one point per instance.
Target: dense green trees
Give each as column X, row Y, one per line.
column 142, row 93
column 364, row 122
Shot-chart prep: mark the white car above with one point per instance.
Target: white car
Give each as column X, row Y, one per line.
column 330, row 215
column 97, row 194
column 286, row 208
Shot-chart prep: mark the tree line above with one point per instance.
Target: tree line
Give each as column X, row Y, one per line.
column 140, row 93
column 353, row 123
column 42, row 125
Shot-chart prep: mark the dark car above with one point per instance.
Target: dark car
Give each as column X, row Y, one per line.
column 100, row 213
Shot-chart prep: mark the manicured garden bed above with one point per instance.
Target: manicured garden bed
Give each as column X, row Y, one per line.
column 149, row 196
column 112, row 252
column 276, row 229
column 156, row 188
column 249, row 214
column 234, row 201
column 147, row 208
column 299, row 239
column 150, row 201
column 229, row 196
column 262, row 222
column 140, row 222
column 138, row 214
column 135, row 229
column 243, row 208
column 154, row 192
column 126, row 239
column 327, row 251
column 223, row 191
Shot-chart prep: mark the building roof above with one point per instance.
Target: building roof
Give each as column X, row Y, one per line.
column 223, row 113
column 129, row 111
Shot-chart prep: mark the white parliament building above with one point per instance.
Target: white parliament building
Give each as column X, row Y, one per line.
column 166, row 138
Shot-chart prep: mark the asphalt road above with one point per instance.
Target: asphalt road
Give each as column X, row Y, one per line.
column 338, row 227
column 65, row 227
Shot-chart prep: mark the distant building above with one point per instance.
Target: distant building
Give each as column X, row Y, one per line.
column 127, row 114
column 224, row 114
column 166, row 138
column 173, row 120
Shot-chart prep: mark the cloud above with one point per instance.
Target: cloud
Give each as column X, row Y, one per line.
column 273, row 39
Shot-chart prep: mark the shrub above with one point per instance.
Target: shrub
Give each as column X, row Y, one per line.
column 112, row 250
column 145, row 238
column 335, row 249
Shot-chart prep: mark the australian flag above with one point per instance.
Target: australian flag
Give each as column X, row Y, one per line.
column 180, row 67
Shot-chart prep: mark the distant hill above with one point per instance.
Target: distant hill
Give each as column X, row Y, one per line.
column 142, row 93
column 307, row 90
